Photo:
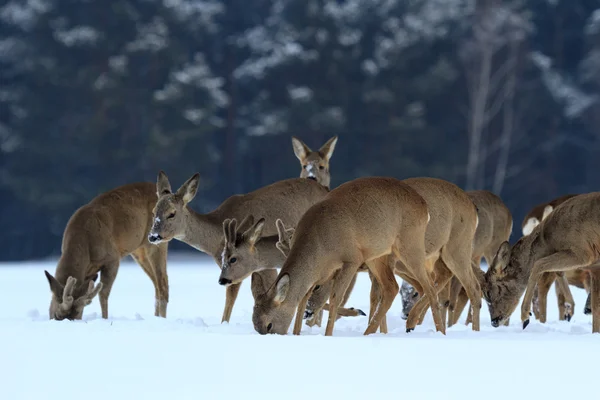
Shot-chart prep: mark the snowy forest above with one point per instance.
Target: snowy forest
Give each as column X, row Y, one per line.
column 489, row 94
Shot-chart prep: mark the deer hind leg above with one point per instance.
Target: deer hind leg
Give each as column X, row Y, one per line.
column 441, row 285
column 460, row 304
column 458, row 260
column 108, row 275
column 157, row 254
column 387, row 291
column 341, row 282
column 561, row 261
column 540, row 305
column 231, row 294
column 595, row 301
column 374, row 300
column 141, row 257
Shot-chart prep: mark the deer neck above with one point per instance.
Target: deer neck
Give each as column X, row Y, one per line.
column 527, row 251
column 203, row 232
column 74, row 261
column 268, row 255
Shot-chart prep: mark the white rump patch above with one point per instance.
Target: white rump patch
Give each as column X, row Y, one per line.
column 547, row 210
column 530, row 226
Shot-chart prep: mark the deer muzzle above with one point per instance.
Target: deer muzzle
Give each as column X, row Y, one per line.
column 154, row 238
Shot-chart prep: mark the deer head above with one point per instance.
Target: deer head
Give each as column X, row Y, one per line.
column 170, row 212
column 68, row 301
column 272, row 314
column 409, row 297
column 503, row 284
column 240, row 257
column 315, row 164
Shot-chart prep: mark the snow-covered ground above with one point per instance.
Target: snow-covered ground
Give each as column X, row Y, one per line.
column 191, row 355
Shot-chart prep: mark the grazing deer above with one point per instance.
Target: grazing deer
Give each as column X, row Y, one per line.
column 315, row 164
column 568, row 239
column 566, row 306
column 97, row 236
column 174, row 219
column 494, row 227
column 334, row 238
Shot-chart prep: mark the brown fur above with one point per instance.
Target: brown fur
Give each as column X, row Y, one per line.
column 287, row 200
column 361, row 221
column 97, row 236
column 315, row 164
column 567, row 239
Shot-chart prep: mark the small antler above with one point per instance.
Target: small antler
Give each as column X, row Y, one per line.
column 87, row 298
column 284, row 244
column 231, row 228
column 67, row 298
column 226, row 224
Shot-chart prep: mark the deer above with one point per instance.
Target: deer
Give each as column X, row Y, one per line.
column 97, row 236
column 174, row 219
column 315, row 164
column 494, row 227
column 345, row 230
column 566, row 304
column 567, row 239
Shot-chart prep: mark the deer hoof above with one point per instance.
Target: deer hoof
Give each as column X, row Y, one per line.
column 409, row 330
column 530, row 314
column 525, row 323
column 587, row 311
column 568, row 317
column 361, row 313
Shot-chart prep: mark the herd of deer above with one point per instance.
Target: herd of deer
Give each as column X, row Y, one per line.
column 428, row 231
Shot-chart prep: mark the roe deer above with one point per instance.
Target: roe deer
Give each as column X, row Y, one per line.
column 174, row 219
column 315, row 164
column 566, row 305
column 97, row 236
column 361, row 221
column 449, row 240
column 567, row 239
column 494, row 227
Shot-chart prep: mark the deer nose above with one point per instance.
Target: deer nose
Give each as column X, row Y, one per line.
column 496, row 322
column 154, row 237
column 224, row 281
column 312, row 178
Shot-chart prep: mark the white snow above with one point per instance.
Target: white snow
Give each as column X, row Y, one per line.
column 191, row 355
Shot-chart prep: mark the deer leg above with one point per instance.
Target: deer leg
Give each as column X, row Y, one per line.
column 595, row 293
column 387, row 290
column 316, row 302
column 455, row 289
column 560, row 261
column 300, row 312
column 560, row 298
column 543, row 286
column 108, row 275
column 461, row 303
column 441, row 284
column 157, row 254
column 458, row 260
column 141, row 258
column 231, row 293
column 568, row 302
column 341, row 282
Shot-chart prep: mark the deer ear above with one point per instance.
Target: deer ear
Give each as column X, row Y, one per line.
column 300, row 149
column 282, row 288
column 55, row 286
column 253, row 234
column 162, row 184
column 327, row 149
column 188, row 190
column 500, row 260
column 261, row 281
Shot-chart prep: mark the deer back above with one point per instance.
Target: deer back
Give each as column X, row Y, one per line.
column 540, row 212
column 495, row 223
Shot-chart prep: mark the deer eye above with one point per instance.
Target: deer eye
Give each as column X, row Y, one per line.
column 415, row 294
column 172, row 215
column 321, row 167
column 269, row 327
column 317, row 288
column 232, row 260
column 305, row 166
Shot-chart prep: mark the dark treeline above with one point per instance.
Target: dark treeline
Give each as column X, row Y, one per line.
column 497, row 95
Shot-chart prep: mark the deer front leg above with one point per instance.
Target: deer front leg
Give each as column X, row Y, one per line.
column 231, row 294
column 387, row 290
column 560, row 261
column 568, row 303
column 595, row 294
column 341, row 283
column 157, row 255
column 543, row 286
column 300, row 312
column 107, row 278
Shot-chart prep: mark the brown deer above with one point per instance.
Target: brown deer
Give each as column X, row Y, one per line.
column 98, row 235
column 568, row 239
column 174, row 219
column 334, row 238
column 494, row 227
column 315, row 164
column 248, row 252
column 566, row 304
